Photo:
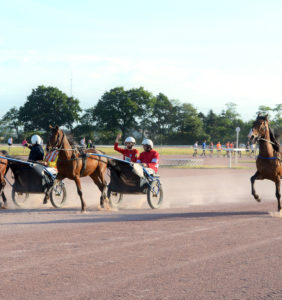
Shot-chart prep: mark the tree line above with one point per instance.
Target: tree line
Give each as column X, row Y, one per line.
column 135, row 112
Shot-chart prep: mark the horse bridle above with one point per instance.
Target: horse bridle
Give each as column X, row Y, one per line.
column 262, row 139
column 58, row 145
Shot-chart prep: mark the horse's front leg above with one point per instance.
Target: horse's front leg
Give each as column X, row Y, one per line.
column 79, row 191
column 253, row 179
column 278, row 195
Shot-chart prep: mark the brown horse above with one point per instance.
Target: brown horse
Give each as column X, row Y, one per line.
column 269, row 159
column 74, row 164
column 4, row 167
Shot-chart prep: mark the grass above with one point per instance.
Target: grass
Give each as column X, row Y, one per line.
column 169, row 151
column 19, row 150
column 248, row 161
column 161, row 150
column 16, row 150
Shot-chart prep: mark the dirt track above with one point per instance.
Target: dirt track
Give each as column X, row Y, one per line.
column 210, row 240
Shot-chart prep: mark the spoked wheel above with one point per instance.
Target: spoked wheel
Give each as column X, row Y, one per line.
column 58, row 194
column 19, row 199
column 115, row 198
column 155, row 194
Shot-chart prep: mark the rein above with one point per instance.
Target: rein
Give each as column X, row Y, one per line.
column 262, row 139
column 60, row 149
column 81, row 156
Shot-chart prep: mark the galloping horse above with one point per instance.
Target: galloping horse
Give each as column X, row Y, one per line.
column 4, row 167
column 73, row 164
column 269, row 159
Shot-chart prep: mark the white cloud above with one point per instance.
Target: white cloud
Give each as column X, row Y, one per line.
column 93, row 74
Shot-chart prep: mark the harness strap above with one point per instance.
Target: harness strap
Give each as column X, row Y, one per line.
column 271, row 158
column 83, row 157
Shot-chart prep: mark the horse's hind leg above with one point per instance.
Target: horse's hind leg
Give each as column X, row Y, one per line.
column 79, row 191
column 100, row 181
column 253, row 179
column 278, row 195
column 5, row 205
column 2, row 185
column 103, row 199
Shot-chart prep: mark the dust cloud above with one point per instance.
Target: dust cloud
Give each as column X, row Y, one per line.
column 182, row 189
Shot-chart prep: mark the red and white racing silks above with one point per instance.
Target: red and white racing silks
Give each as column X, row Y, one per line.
column 128, row 154
column 151, row 158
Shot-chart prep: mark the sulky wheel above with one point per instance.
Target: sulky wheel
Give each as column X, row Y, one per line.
column 19, row 199
column 155, row 194
column 114, row 198
column 58, row 194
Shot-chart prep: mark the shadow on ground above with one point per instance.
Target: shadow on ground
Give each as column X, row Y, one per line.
column 116, row 217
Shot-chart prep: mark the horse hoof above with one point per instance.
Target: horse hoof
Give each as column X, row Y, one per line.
column 108, row 207
column 4, row 206
column 257, row 198
column 100, row 207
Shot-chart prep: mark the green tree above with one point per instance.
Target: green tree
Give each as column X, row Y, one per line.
column 187, row 125
column 278, row 118
column 263, row 109
column 145, row 102
column 162, row 115
column 85, row 128
column 10, row 121
column 275, row 116
column 48, row 105
column 121, row 110
column 211, row 125
column 227, row 123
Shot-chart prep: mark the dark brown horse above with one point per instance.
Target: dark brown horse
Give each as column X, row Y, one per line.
column 4, row 167
column 74, row 164
column 269, row 159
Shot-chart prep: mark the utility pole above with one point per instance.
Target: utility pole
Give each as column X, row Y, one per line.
column 237, row 144
column 237, row 131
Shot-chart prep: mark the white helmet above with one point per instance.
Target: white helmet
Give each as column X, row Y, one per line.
column 130, row 139
column 148, row 142
column 36, row 139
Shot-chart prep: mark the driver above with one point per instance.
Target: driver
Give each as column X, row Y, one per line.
column 149, row 158
column 36, row 150
column 36, row 153
column 129, row 153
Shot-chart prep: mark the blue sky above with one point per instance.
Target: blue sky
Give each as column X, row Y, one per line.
column 207, row 53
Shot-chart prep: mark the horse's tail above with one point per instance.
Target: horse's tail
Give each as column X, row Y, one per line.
column 5, row 153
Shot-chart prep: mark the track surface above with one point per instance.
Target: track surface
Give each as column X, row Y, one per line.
column 210, row 240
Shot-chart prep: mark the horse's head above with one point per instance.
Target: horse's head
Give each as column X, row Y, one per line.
column 55, row 138
column 259, row 129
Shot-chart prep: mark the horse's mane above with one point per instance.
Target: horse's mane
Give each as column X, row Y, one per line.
column 71, row 140
column 273, row 136
column 275, row 145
